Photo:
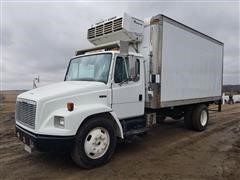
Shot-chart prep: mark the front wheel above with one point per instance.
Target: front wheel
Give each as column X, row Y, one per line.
column 95, row 143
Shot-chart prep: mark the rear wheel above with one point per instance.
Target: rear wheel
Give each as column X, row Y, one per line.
column 95, row 143
column 200, row 117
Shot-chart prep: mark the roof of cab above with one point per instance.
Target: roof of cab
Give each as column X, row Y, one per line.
column 106, row 52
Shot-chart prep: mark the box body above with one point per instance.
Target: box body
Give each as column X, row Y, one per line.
column 184, row 65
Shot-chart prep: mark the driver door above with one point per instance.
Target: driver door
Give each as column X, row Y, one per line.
column 128, row 87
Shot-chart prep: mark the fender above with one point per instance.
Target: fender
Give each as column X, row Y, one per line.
column 75, row 118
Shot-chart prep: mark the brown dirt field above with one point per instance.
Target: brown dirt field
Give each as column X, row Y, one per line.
column 7, row 100
column 168, row 151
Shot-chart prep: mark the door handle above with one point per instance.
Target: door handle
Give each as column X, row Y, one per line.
column 140, row 97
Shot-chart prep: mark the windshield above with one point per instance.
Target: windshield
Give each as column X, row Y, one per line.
column 89, row 68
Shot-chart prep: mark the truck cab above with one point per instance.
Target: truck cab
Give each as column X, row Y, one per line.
column 108, row 85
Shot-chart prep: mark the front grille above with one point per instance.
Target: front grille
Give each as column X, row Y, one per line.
column 26, row 112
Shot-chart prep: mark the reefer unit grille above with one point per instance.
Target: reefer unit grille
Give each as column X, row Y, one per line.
column 106, row 28
column 99, row 30
column 117, row 24
column 26, row 113
column 91, row 33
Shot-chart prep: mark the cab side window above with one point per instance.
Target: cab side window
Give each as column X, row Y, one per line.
column 120, row 73
column 133, row 68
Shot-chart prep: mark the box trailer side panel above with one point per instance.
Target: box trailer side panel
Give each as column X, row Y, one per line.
column 191, row 67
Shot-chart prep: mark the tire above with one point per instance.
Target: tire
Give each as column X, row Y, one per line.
column 95, row 143
column 200, row 117
column 188, row 118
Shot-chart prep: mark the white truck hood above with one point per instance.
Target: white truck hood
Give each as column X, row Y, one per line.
column 61, row 89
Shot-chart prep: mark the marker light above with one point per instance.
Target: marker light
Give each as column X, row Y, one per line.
column 70, row 106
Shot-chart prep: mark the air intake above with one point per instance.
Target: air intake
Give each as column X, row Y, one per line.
column 26, row 112
column 125, row 28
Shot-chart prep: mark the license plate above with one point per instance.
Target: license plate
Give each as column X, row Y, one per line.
column 28, row 143
column 27, row 148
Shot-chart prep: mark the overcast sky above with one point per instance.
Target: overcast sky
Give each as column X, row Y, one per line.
column 38, row 38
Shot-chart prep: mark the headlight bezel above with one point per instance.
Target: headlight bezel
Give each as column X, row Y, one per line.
column 59, row 121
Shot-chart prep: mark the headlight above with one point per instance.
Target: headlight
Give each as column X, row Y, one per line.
column 59, row 121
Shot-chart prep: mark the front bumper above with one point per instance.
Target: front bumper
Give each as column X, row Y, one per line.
column 44, row 142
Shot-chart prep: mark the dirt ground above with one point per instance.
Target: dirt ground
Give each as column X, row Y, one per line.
column 169, row 151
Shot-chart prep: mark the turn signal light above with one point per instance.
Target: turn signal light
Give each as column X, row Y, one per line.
column 70, row 106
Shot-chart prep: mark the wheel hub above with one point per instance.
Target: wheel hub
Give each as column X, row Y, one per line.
column 203, row 118
column 96, row 143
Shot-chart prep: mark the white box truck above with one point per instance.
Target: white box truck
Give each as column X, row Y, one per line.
column 138, row 73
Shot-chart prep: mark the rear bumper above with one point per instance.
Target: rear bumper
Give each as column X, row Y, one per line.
column 44, row 142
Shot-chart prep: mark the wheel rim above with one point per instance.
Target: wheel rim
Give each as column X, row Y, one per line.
column 203, row 118
column 96, row 143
